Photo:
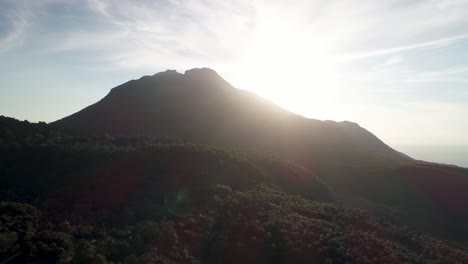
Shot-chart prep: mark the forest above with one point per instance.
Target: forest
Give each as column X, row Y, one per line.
column 77, row 198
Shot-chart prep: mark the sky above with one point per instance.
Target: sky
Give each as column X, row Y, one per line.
column 398, row 68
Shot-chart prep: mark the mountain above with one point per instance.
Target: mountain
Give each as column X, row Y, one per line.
column 184, row 168
column 363, row 171
column 202, row 107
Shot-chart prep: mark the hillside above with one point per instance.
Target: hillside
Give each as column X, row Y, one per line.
column 77, row 198
column 56, row 163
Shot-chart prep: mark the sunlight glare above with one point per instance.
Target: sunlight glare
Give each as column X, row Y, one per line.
column 286, row 65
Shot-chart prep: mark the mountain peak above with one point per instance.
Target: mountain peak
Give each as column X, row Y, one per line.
column 205, row 78
column 349, row 124
column 168, row 72
column 198, row 73
column 202, row 72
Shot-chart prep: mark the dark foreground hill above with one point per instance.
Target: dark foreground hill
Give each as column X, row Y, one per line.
column 201, row 107
column 69, row 198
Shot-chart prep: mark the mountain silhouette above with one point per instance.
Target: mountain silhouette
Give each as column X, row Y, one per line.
column 202, row 107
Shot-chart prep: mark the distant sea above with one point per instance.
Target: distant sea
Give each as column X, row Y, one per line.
column 447, row 154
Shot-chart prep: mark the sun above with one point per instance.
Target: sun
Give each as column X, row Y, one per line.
column 291, row 73
column 291, row 63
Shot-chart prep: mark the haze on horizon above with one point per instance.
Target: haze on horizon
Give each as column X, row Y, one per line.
column 398, row 68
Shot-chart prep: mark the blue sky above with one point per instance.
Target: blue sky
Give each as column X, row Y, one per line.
column 398, row 68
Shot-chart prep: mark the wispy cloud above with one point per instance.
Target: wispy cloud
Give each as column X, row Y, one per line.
column 150, row 34
column 424, row 45
column 392, row 61
column 146, row 33
column 18, row 22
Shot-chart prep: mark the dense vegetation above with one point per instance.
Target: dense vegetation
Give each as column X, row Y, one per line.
column 71, row 198
column 259, row 225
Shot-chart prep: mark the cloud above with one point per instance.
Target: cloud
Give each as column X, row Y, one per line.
column 148, row 34
column 15, row 35
column 20, row 20
column 424, row 45
column 99, row 6
column 392, row 61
